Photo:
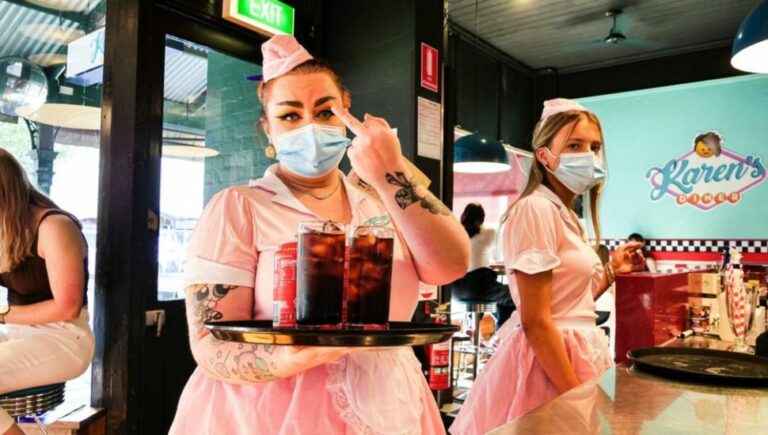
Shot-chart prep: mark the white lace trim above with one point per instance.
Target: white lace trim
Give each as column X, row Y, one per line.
column 336, row 383
column 599, row 350
column 337, row 371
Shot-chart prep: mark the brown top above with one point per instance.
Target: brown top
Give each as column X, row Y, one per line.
column 28, row 283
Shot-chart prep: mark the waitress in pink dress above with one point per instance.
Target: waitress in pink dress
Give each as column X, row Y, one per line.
column 551, row 344
column 248, row 389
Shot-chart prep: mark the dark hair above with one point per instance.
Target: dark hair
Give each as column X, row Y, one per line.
column 309, row 67
column 637, row 237
column 472, row 218
column 712, row 139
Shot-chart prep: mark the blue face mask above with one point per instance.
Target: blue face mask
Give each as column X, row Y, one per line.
column 312, row 150
column 579, row 172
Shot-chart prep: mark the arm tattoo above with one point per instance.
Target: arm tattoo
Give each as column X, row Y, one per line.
column 248, row 364
column 407, row 195
column 207, row 297
column 229, row 360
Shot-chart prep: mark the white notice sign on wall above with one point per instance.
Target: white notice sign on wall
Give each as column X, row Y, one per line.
column 429, row 129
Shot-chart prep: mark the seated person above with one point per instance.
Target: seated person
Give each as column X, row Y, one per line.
column 43, row 264
column 648, row 264
column 481, row 282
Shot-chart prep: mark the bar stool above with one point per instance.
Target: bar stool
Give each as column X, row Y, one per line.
column 33, row 401
column 602, row 317
column 475, row 308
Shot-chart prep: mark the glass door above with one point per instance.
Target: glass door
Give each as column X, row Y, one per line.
column 206, row 126
column 210, row 142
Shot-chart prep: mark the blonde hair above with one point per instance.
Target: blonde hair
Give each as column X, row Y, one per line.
column 17, row 196
column 543, row 134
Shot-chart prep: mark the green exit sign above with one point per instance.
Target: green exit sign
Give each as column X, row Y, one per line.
column 268, row 17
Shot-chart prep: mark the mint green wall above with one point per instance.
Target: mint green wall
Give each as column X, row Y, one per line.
column 648, row 128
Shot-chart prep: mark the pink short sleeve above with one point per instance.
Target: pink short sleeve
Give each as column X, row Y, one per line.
column 531, row 236
column 222, row 249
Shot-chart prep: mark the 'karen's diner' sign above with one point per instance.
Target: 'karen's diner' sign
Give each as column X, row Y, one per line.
column 707, row 176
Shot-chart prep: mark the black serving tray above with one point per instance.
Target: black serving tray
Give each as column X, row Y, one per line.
column 703, row 365
column 395, row 334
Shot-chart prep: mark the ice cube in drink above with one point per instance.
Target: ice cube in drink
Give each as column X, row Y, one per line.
column 320, row 267
column 370, row 275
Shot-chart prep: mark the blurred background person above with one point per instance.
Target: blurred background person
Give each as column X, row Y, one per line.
column 646, row 264
column 481, row 283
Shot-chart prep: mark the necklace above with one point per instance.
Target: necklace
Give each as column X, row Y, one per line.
column 318, row 197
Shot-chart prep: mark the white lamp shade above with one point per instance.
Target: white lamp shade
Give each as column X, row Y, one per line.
column 68, row 116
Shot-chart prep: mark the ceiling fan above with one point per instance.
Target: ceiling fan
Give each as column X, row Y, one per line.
column 616, row 36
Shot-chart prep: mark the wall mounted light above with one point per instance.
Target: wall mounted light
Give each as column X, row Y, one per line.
column 750, row 48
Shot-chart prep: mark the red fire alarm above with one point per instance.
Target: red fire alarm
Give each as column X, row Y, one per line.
column 430, row 70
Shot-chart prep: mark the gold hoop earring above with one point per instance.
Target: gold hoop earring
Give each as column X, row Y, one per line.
column 270, row 152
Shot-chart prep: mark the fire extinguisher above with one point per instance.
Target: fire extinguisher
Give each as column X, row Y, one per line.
column 438, row 356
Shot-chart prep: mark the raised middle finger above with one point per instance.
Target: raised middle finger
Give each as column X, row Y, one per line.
column 349, row 120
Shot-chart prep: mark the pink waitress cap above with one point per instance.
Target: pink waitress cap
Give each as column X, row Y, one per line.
column 558, row 105
column 282, row 53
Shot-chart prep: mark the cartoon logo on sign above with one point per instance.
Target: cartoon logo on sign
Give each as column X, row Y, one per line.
column 707, row 176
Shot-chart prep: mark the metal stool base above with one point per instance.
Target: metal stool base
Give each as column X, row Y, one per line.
column 33, row 404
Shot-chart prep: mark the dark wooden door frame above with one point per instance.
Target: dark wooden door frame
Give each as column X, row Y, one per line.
column 124, row 242
column 129, row 193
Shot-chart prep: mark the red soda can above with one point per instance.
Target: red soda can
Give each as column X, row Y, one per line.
column 284, row 298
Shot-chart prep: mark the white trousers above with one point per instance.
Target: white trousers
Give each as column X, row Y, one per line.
column 33, row 356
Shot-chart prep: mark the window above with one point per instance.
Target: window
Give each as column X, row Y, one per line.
column 210, row 142
column 57, row 143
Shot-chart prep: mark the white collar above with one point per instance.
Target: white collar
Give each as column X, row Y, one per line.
column 550, row 195
column 565, row 212
column 283, row 195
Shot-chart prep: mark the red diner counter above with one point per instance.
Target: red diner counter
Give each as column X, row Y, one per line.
column 650, row 309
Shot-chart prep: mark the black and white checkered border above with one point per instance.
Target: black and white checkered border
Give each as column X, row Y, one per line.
column 689, row 267
column 697, row 245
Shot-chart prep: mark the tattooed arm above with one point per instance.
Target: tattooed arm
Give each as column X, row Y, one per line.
column 438, row 242
column 241, row 363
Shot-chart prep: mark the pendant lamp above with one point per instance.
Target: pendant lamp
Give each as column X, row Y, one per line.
column 74, row 107
column 479, row 154
column 750, row 48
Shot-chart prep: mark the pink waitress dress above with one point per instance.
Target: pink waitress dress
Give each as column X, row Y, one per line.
column 375, row 392
column 540, row 234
